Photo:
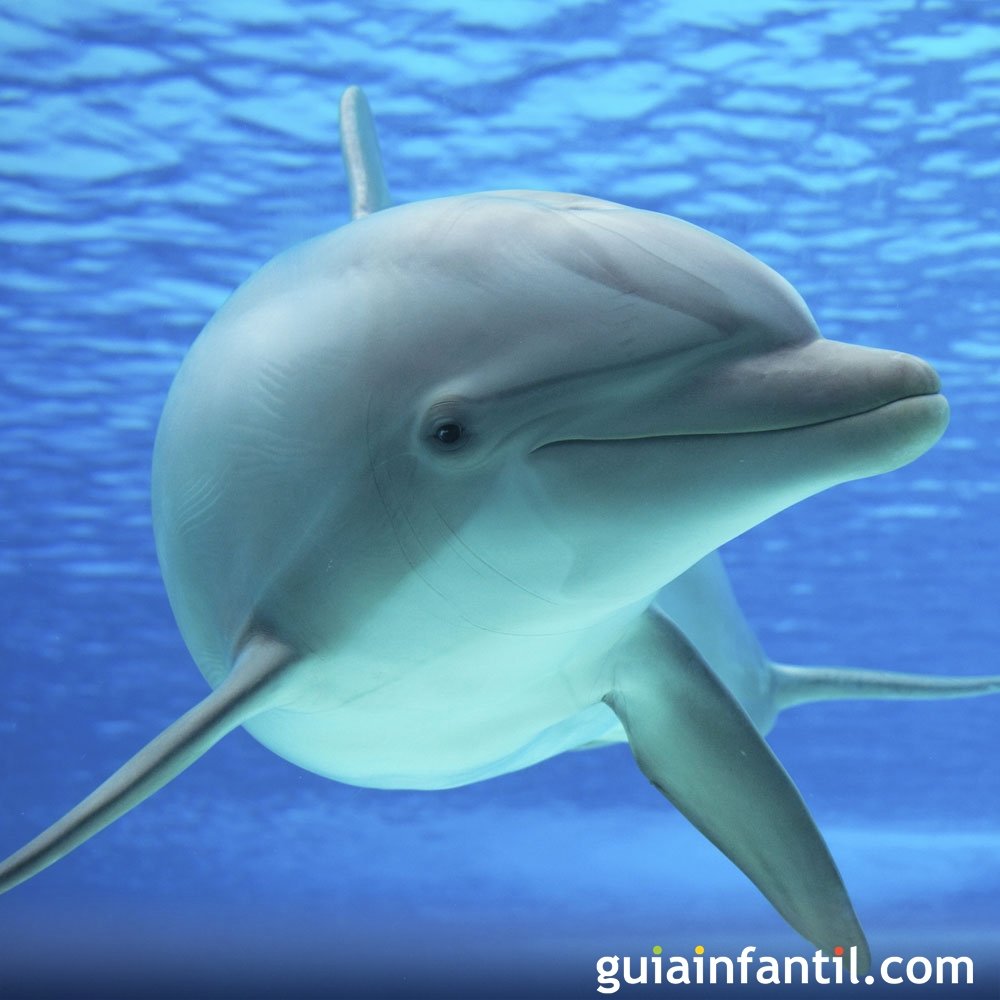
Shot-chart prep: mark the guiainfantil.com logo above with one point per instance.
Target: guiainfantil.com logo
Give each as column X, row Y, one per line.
column 614, row 972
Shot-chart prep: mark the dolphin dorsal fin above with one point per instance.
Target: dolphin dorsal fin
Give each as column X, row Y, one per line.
column 362, row 158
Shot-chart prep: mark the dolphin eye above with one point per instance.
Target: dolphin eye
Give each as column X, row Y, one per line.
column 449, row 433
column 447, row 425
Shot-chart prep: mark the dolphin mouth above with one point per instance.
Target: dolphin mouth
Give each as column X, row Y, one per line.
column 938, row 407
column 817, row 384
column 879, row 408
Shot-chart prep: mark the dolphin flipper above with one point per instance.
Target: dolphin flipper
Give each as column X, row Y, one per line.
column 695, row 743
column 249, row 689
column 362, row 158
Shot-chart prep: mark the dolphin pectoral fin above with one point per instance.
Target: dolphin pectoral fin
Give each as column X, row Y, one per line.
column 695, row 743
column 249, row 689
column 362, row 157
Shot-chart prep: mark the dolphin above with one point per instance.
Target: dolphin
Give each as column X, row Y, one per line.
column 437, row 495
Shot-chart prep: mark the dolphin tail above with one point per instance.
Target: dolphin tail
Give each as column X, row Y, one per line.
column 698, row 747
column 798, row 685
column 249, row 689
column 362, row 157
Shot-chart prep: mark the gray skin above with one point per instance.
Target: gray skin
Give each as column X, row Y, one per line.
column 437, row 496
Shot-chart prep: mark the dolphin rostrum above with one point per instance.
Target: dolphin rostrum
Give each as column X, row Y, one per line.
column 437, row 496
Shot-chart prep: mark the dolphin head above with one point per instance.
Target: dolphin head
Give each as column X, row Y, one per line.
column 589, row 398
column 545, row 406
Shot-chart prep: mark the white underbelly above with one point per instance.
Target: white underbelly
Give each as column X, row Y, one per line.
column 484, row 706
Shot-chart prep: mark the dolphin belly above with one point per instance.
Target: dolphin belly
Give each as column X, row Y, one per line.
column 487, row 706
column 427, row 747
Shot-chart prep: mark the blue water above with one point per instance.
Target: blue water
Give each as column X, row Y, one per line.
column 154, row 155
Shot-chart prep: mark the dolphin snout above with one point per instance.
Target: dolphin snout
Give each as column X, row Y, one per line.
column 800, row 385
column 916, row 376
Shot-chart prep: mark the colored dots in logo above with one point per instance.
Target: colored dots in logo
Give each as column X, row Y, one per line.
column 838, row 950
column 699, row 949
column 657, row 949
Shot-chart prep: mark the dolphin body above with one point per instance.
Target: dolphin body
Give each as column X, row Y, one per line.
column 437, row 496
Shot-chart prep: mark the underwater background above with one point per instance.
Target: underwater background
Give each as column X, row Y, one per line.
column 153, row 155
